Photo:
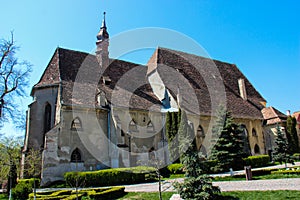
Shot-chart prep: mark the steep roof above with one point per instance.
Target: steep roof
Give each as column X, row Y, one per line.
column 273, row 116
column 81, row 77
column 198, row 71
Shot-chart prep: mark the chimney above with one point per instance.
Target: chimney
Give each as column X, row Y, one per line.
column 242, row 88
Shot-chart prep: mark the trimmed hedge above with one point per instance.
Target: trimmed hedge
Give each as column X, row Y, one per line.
column 286, row 172
column 176, row 168
column 257, row 161
column 97, row 194
column 109, row 177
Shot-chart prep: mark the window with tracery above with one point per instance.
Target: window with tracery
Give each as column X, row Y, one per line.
column 76, row 124
column 76, row 156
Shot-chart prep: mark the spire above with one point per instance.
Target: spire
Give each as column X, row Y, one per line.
column 103, row 34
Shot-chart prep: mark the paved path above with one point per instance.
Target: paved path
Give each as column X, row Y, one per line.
column 272, row 184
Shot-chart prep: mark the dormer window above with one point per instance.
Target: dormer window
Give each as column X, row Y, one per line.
column 76, row 124
column 106, row 80
column 150, row 127
column 101, row 99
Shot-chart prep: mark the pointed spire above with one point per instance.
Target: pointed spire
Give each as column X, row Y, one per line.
column 103, row 34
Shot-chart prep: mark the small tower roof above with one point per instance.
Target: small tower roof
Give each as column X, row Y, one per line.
column 103, row 34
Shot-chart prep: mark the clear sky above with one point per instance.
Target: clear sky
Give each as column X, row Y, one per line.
column 261, row 37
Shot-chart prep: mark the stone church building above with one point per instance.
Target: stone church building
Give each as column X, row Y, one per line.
column 91, row 112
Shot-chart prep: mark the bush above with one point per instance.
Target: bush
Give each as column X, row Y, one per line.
column 110, row 177
column 96, row 194
column 286, row 172
column 176, row 168
column 257, row 161
column 24, row 188
column 296, row 156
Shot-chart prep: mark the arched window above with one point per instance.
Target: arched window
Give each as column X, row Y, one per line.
column 200, row 132
column 150, row 127
column 76, row 124
column 132, row 126
column 244, row 136
column 256, row 149
column 254, row 132
column 47, row 118
column 76, row 156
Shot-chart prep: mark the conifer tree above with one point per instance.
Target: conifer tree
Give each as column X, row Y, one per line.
column 281, row 151
column 196, row 184
column 291, row 134
column 228, row 150
column 171, row 132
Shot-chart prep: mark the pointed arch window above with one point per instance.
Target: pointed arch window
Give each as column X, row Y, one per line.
column 200, row 132
column 150, row 127
column 47, row 118
column 76, row 156
column 256, row 149
column 254, row 132
column 132, row 126
column 76, row 124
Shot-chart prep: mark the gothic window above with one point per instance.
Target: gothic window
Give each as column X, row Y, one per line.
column 244, row 136
column 132, row 126
column 254, row 132
column 200, row 132
column 256, row 149
column 47, row 118
column 76, row 124
column 150, row 127
column 76, row 156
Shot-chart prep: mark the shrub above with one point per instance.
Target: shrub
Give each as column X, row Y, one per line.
column 257, row 161
column 21, row 190
column 176, row 168
column 296, row 156
column 110, row 177
column 286, row 172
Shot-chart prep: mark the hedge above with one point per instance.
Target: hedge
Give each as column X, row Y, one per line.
column 97, row 194
column 286, row 172
column 176, row 168
column 257, row 161
column 296, row 156
column 109, row 177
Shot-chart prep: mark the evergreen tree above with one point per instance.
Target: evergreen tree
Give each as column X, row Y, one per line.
column 281, row 151
column 228, row 150
column 196, row 184
column 291, row 134
column 171, row 132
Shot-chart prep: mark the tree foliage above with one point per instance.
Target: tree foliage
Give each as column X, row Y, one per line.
column 281, row 152
column 10, row 150
column 172, row 136
column 291, row 134
column 196, row 184
column 228, row 150
column 14, row 76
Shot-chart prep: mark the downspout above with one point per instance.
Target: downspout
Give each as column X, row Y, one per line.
column 108, row 135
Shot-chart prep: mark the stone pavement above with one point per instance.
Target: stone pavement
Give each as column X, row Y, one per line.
column 271, row 184
column 258, row 185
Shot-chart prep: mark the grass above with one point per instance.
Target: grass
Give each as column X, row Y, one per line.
column 244, row 195
column 3, row 197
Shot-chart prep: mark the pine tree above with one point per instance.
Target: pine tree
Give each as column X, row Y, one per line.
column 281, row 151
column 228, row 150
column 196, row 184
column 291, row 134
column 171, row 132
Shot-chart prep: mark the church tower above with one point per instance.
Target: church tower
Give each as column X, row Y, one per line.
column 102, row 45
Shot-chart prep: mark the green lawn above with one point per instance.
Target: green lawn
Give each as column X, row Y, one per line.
column 263, row 177
column 261, row 195
column 3, row 197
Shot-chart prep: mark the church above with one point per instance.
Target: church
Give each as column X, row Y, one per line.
column 91, row 112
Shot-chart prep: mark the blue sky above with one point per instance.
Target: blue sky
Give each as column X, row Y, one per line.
column 261, row 37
